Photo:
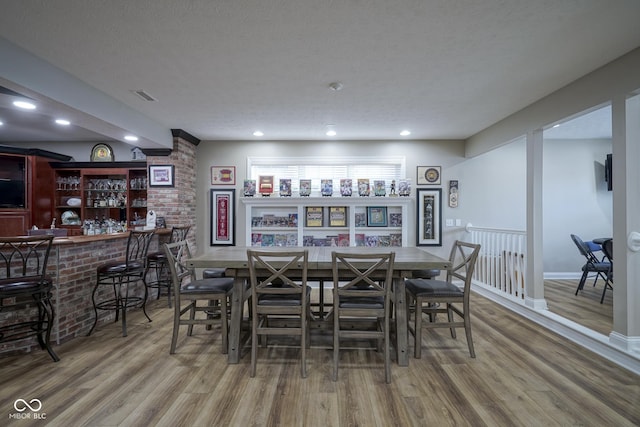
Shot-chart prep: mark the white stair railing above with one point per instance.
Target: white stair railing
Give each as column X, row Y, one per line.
column 502, row 260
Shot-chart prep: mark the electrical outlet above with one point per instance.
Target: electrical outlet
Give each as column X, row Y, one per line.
column 458, row 223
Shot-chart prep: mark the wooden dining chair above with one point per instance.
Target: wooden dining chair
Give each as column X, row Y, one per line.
column 186, row 288
column 280, row 298
column 361, row 296
column 431, row 296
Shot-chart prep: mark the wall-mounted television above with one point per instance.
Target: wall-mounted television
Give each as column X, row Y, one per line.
column 12, row 182
column 608, row 175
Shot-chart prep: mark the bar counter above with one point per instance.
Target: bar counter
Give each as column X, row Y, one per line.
column 72, row 266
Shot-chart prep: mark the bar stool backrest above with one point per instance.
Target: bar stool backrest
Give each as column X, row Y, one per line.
column 24, row 256
column 137, row 246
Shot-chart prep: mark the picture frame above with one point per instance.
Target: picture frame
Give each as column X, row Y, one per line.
column 429, row 175
column 377, row 216
column 337, row 216
column 314, row 216
column 265, row 185
column 429, row 217
column 102, row 153
column 223, row 175
column 161, row 175
column 222, row 214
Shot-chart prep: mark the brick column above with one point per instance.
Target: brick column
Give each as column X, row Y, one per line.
column 177, row 204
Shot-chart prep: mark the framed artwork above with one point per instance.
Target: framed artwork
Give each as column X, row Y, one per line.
column 265, row 185
column 305, row 187
column 313, row 216
column 249, row 188
column 223, row 226
column 429, row 175
column 338, row 216
column 377, row 216
column 223, row 175
column 161, row 175
column 429, row 217
column 453, row 193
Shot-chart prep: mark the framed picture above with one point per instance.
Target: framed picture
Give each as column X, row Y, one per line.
column 338, row 216
column 161, row 176
column 223, row 226
column 313, row 216
column 265, row 185
column 429, row 217
column 428, row 175
column 377, row 216
column 223, row 175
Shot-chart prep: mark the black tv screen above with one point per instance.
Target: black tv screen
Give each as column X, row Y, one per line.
column 12, row 194
column 608, row 174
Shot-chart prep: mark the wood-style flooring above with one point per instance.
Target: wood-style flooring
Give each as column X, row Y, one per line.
column 523, row 375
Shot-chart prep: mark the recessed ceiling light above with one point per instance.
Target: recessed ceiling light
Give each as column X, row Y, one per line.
column 63, row 122
column 131, row 138
column 1, row 123
column 331, row 132
column 258, row 133
column 556, row 126
column 405, row 133
column 25, row 105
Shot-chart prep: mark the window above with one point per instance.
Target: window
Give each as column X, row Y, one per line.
column 318, row 168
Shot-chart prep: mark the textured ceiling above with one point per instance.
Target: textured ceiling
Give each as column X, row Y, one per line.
column 445, row 69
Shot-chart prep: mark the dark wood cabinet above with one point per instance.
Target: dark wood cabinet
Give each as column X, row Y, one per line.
column 92, row 193
column 25, row 191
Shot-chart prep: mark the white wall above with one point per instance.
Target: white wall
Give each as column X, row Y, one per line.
column 235, row 153
column 576, row 201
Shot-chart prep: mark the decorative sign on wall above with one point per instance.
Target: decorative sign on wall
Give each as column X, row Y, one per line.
column 429, row 226
column 453, row 193
column 223, row 227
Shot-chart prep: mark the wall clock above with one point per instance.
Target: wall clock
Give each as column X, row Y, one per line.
column 101, row 153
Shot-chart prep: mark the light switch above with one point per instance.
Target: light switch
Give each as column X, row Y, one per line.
column 449, row 223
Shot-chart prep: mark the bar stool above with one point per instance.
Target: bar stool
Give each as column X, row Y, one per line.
column 23, row 284
column 158, row 262
column 121, row 275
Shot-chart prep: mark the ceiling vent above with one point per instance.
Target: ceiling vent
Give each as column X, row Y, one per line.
column 144, row 95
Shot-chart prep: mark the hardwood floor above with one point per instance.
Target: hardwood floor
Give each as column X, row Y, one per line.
column 523, row 376
column 584, row 308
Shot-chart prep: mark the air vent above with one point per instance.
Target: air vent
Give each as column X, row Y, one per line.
column 144, row 95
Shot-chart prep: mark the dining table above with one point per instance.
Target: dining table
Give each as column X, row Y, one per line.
column 234, row 259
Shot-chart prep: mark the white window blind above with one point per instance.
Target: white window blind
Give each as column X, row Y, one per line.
column 318, row 168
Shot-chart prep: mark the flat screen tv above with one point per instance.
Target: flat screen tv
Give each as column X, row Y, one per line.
column 12, row 182
column 608, row 168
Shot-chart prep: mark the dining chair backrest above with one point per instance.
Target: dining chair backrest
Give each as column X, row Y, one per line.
column 177, row 254
column 607, row 249
column 584, row 250
column 463, row 258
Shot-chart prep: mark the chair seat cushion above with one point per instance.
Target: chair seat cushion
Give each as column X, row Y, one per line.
column 426, row 274
column 157, row 257
column 14, row 286
column 281, row 299
column 207, row 286
column 361, row 302
column 120, row 267
column 597, row 266
column 432, row 288
column 213, row 272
